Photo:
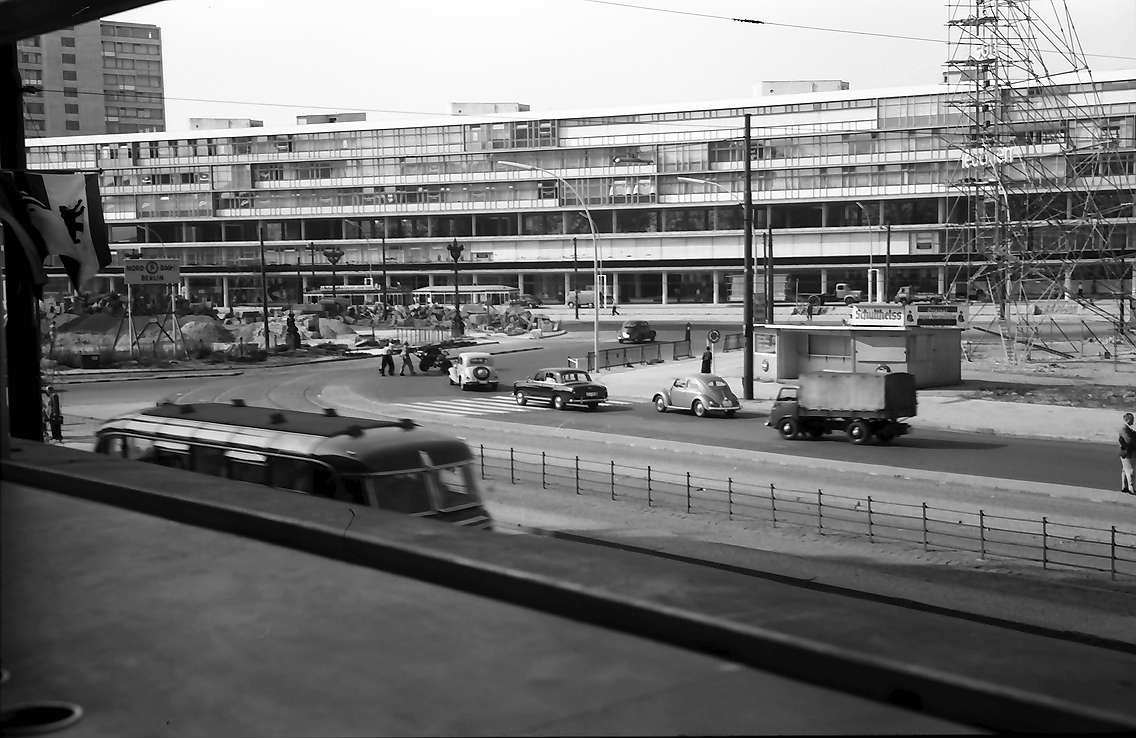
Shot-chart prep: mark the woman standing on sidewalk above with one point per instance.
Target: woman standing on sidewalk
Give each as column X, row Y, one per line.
column 1127, row 454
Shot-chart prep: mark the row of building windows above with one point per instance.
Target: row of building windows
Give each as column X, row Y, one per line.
column 119, row 47
column 131, row 31
column 1037, row 207
column 143, row 66
column 139, row 80
column 134, row 112
column 30, row 57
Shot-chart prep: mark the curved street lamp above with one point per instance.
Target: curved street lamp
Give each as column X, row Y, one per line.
column 333, row 255
column 595, row 250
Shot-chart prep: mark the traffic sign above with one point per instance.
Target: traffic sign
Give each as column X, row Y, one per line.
column 151, row 271
column 713, row 335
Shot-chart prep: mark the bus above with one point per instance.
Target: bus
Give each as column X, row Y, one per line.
column 359, row 294
column 389, row 464
column 484, row 294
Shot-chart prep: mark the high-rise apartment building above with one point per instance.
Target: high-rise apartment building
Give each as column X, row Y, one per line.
column 97, row 77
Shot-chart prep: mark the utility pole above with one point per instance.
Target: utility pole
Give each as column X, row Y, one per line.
column 384, row 271
column 887, row 265
column 575, row 278
column 768, row 273
column 263, row 287
column 747, row 258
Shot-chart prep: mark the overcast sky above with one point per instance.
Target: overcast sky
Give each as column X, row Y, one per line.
column 341, row 55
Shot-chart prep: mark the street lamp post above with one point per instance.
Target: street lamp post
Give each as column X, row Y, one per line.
column 456, row 250
column 595, row 250
column 333, row 255
column 384, row 241
column 747, row 304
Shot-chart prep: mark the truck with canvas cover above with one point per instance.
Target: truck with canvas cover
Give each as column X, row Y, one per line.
column 863, row 406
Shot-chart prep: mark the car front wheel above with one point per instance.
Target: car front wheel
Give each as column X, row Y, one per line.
column 660, row 403
column 559, row 402
column 520, row 398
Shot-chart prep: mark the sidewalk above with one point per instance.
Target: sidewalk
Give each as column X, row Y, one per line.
column 943, row 408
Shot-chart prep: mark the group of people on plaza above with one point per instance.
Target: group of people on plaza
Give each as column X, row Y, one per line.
column 1127, row 455
column 387, row 353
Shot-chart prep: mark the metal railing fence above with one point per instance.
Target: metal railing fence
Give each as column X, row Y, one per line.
column 643, row 353
column 1051, row 543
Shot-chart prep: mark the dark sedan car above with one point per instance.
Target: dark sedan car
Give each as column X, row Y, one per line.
column 636, row 331
column 560, row 388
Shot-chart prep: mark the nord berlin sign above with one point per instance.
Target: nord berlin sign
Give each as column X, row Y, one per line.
column 151, row 271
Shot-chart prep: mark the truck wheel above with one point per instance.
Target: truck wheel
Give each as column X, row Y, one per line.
column 559, row 402
column 788, row 428
column 660, row 403
column 815, row 300
column 859, row 432
column 850, row 300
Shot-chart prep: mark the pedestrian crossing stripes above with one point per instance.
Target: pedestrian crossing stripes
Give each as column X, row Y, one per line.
column 480, row 405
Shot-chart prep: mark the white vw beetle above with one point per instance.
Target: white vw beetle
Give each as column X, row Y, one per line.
column 474, row 369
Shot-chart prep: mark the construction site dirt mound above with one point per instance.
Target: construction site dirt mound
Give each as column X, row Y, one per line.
column 205, row 329
column 95, row 323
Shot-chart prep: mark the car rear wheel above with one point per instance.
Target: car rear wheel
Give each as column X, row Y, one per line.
column 788, row 428
column 559, row 402
column 520, row 398
column 660, row 403
column 858, row 432
column 698, row 409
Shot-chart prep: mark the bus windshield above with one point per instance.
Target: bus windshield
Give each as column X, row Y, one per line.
column 425, row 490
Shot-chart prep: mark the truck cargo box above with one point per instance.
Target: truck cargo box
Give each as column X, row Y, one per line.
column 891, row 395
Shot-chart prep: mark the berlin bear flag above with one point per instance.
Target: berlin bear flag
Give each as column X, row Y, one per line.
column 62, row 215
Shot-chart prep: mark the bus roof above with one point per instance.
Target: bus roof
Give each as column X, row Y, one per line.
column 312, row 424
column 466, row 288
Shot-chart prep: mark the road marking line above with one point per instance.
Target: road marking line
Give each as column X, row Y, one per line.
column 453, row 407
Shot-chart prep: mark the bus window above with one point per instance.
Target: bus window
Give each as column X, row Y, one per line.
column 454, row 486
column 404, row 493
column 350, row 489
column 294, row 474
column 173, row 455
column 141, row 449
column 208, row 460
column 246, row 467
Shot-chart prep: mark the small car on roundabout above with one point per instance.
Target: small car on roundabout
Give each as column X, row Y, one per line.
column 561, row 389
column 474, row 369
column 636, row 331
column 701, row 394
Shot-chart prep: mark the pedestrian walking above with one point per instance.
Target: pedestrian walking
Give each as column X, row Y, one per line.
column 407, row 361
column 707, row 359
column 614, row 309
column 385, row 360
column 1080, row 290
column 1127, row 454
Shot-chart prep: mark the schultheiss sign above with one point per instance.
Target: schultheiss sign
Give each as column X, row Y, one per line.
column 151, row 271
column 919, row 315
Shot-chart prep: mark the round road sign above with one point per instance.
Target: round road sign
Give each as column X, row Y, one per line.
column 713, row 335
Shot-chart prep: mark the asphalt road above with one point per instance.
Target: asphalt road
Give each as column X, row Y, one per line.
column 431, row 397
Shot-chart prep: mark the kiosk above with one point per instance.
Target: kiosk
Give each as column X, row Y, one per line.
column 923, row 339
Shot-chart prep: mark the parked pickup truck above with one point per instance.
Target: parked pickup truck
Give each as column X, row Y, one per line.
column 842, row 293
column 863, row 406
column 908, row 294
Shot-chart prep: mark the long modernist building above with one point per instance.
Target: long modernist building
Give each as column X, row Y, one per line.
column 663, row 186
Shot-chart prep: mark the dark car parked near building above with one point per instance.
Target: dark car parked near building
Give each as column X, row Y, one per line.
column 560, row 388
column 636, row 331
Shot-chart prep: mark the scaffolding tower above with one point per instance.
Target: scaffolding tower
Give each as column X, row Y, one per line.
column 1035, row 183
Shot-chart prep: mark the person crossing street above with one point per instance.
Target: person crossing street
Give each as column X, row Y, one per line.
column 407, row 361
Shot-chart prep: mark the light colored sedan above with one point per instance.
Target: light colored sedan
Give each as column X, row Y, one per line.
column 474, row 369
column 701, row 394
